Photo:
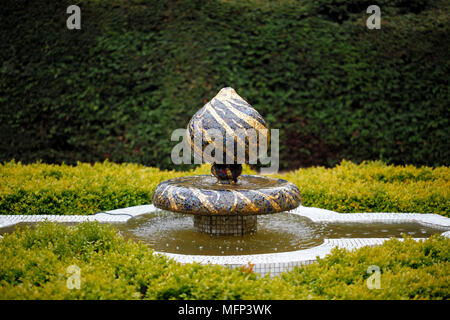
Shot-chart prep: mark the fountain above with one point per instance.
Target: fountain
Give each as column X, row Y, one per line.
column 226, row 202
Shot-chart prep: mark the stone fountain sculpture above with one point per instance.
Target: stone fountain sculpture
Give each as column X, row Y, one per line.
column 226, row 202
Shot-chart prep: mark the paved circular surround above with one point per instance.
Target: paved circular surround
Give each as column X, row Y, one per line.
column 273, row 263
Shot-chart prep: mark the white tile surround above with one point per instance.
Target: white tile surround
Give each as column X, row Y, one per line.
column 273, row 263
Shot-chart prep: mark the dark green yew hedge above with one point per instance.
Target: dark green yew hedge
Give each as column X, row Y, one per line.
column 139, row 69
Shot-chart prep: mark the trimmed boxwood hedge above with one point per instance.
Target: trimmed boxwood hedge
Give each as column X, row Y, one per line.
column 86, row 189
column 138, row 69
column 34, row 262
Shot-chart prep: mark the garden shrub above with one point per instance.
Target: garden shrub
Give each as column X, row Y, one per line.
column 374, row 187
column 34, row 262
column 409, row 270
column 341, row 10
column 33, row 267
column 86, row 189
column 137, row 70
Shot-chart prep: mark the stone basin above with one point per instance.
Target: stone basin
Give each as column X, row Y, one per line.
column 226, row 209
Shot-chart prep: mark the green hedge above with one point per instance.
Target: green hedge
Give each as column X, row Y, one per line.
column 85, row 189
column 34, row 262
column 139, row 69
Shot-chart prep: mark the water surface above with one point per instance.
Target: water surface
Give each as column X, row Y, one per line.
column 281, row 232
column 174, row 232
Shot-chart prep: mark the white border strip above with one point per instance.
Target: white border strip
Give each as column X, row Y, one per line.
column 117, row 215
column 322, row 215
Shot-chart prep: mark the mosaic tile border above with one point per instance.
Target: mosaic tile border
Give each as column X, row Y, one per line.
column 117, row 215
column 225, row 225
column 273, row 263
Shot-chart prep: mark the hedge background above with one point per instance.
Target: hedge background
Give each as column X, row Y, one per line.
column 139, row 69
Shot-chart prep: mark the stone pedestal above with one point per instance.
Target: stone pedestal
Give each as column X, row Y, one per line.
column 226, row 225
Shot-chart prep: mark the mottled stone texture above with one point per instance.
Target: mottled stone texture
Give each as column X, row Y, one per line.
column 251, row 195
column 230, row 115
column 226, row 173
column 225, row 225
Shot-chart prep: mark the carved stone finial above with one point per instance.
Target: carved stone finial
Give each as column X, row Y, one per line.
column 230, row 117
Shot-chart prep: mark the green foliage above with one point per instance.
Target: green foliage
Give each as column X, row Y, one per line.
column 34, row 262
column 374, row 187
column 85, row 189
column 341, row 10
column 409, row 270
column 139, row 69
column 33, row 267
column 82, row 189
